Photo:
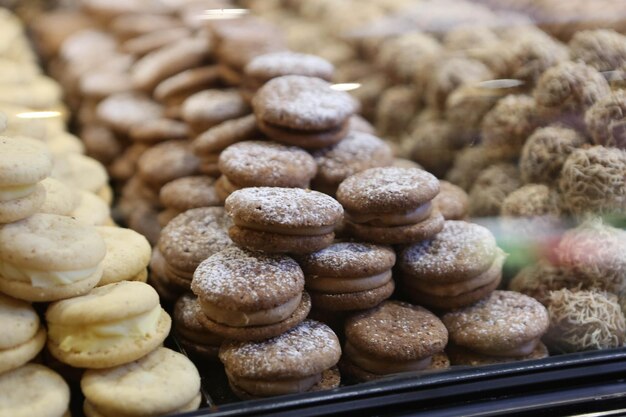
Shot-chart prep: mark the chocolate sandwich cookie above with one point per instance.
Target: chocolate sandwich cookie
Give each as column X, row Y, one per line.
column 168, row 292
column 349, row 276
column 299, row 360
column 466, row 357
column 162, row 383
column 282, row 220
column 263, row 164
column 192, row 335
column 175, row 89
column 357, row 152
column 80, row 329
column 208, row 108
column 452, row 201
column 505, row 324
column 17, row 389
column 248, row 296
column 152, row 41
column 459, row 266
column 408, row 338
column 159, row 130
column 185, row 194
column 391, row 205
column 265, row 67
column 48, row 257
column 122, row 111
column 24, row 163
column 303, row 111
column 208, row 145
column 190, row 238
column 127, row 255
column 166, row 162
column 21, row 335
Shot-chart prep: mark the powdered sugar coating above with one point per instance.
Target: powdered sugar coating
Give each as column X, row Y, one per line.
column 461, row 250
column 189, row 192
column 355, row 153
column 272, row 65
column 503, row 321
column 387, row 190
column 303, row 103
column 290, row 207
column 238, row 279
column 307, row 349
column 397, row 331
column 194, row 235
column 349, row 259
column 257, row 163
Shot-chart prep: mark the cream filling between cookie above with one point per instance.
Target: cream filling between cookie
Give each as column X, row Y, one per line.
column 291, row 231
column 334, row 285
column 524, row 349
column 13, row 192
column 262, row 387
column 384, row 366
column 90, row 337
column 45, row 279
column 413, row 216
column 250, row 318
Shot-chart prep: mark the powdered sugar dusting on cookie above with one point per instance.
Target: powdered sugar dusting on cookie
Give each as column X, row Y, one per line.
column 355, row 153
column 505, row 320
column 304, row 103
column 292, row 207
column 350, row 258
column 461, row 248
column 289, row 63
column 237, row 278
column 307, row 349
column 267, row 163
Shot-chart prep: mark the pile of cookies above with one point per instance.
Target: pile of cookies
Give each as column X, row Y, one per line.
column 72, row 290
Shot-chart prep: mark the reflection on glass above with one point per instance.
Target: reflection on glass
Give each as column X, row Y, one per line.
column 345, row 86
column 501, row 83
column 38, row 114
column 222, row 14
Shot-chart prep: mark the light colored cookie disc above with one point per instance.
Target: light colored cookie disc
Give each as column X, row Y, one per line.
column 60, row 199
column 112, row 304
column 80, row 171
column 161, row 383
column 92, row 210
column 33, row 390
column 20, row 208
column 23, row 161
column 128, row 254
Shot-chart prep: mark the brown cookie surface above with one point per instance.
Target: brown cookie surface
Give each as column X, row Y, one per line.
column 269, row 242
column 398, row 235
column 352, row 259
column 222, row 135
column 189, row 192
column 350, row 301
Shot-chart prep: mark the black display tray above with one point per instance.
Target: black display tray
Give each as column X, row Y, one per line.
column 558, row 385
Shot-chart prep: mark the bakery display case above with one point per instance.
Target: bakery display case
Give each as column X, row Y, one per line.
column 320, row 207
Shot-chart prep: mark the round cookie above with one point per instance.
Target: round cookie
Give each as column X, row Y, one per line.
column 77, row 327
column 281, row 220
column 506, row 324
column 21, row 336
column 302, row 111
column 127, row 255
column 407, row 338
column 187, row 193
column 23, row 164
column 390, row 205
column 92, row 210
column 17, row 388
column 349, row 276
column 257, row 163
column 465, row 357
column 208, row 108
column 122, row 111
column 224, row 134
column 60, row 199
column 357, row 152
column 161, row 383
column 250, row 296
column 190, row 238
column 292, row 362
column 166, row 162
column 81, row 172
column 159, row 130
column 47, row 257
column 175, row 89
column 452, row 202
column 192, row 335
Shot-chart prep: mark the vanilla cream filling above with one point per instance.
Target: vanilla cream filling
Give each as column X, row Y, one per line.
column 298, row 231
column 13, row 192
column 333, row 285
column 263, row 388
column 384, row 366
column 521, row 350
column 102, row 336
column 250, row 318
column 45, row 279
column 393, row 219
